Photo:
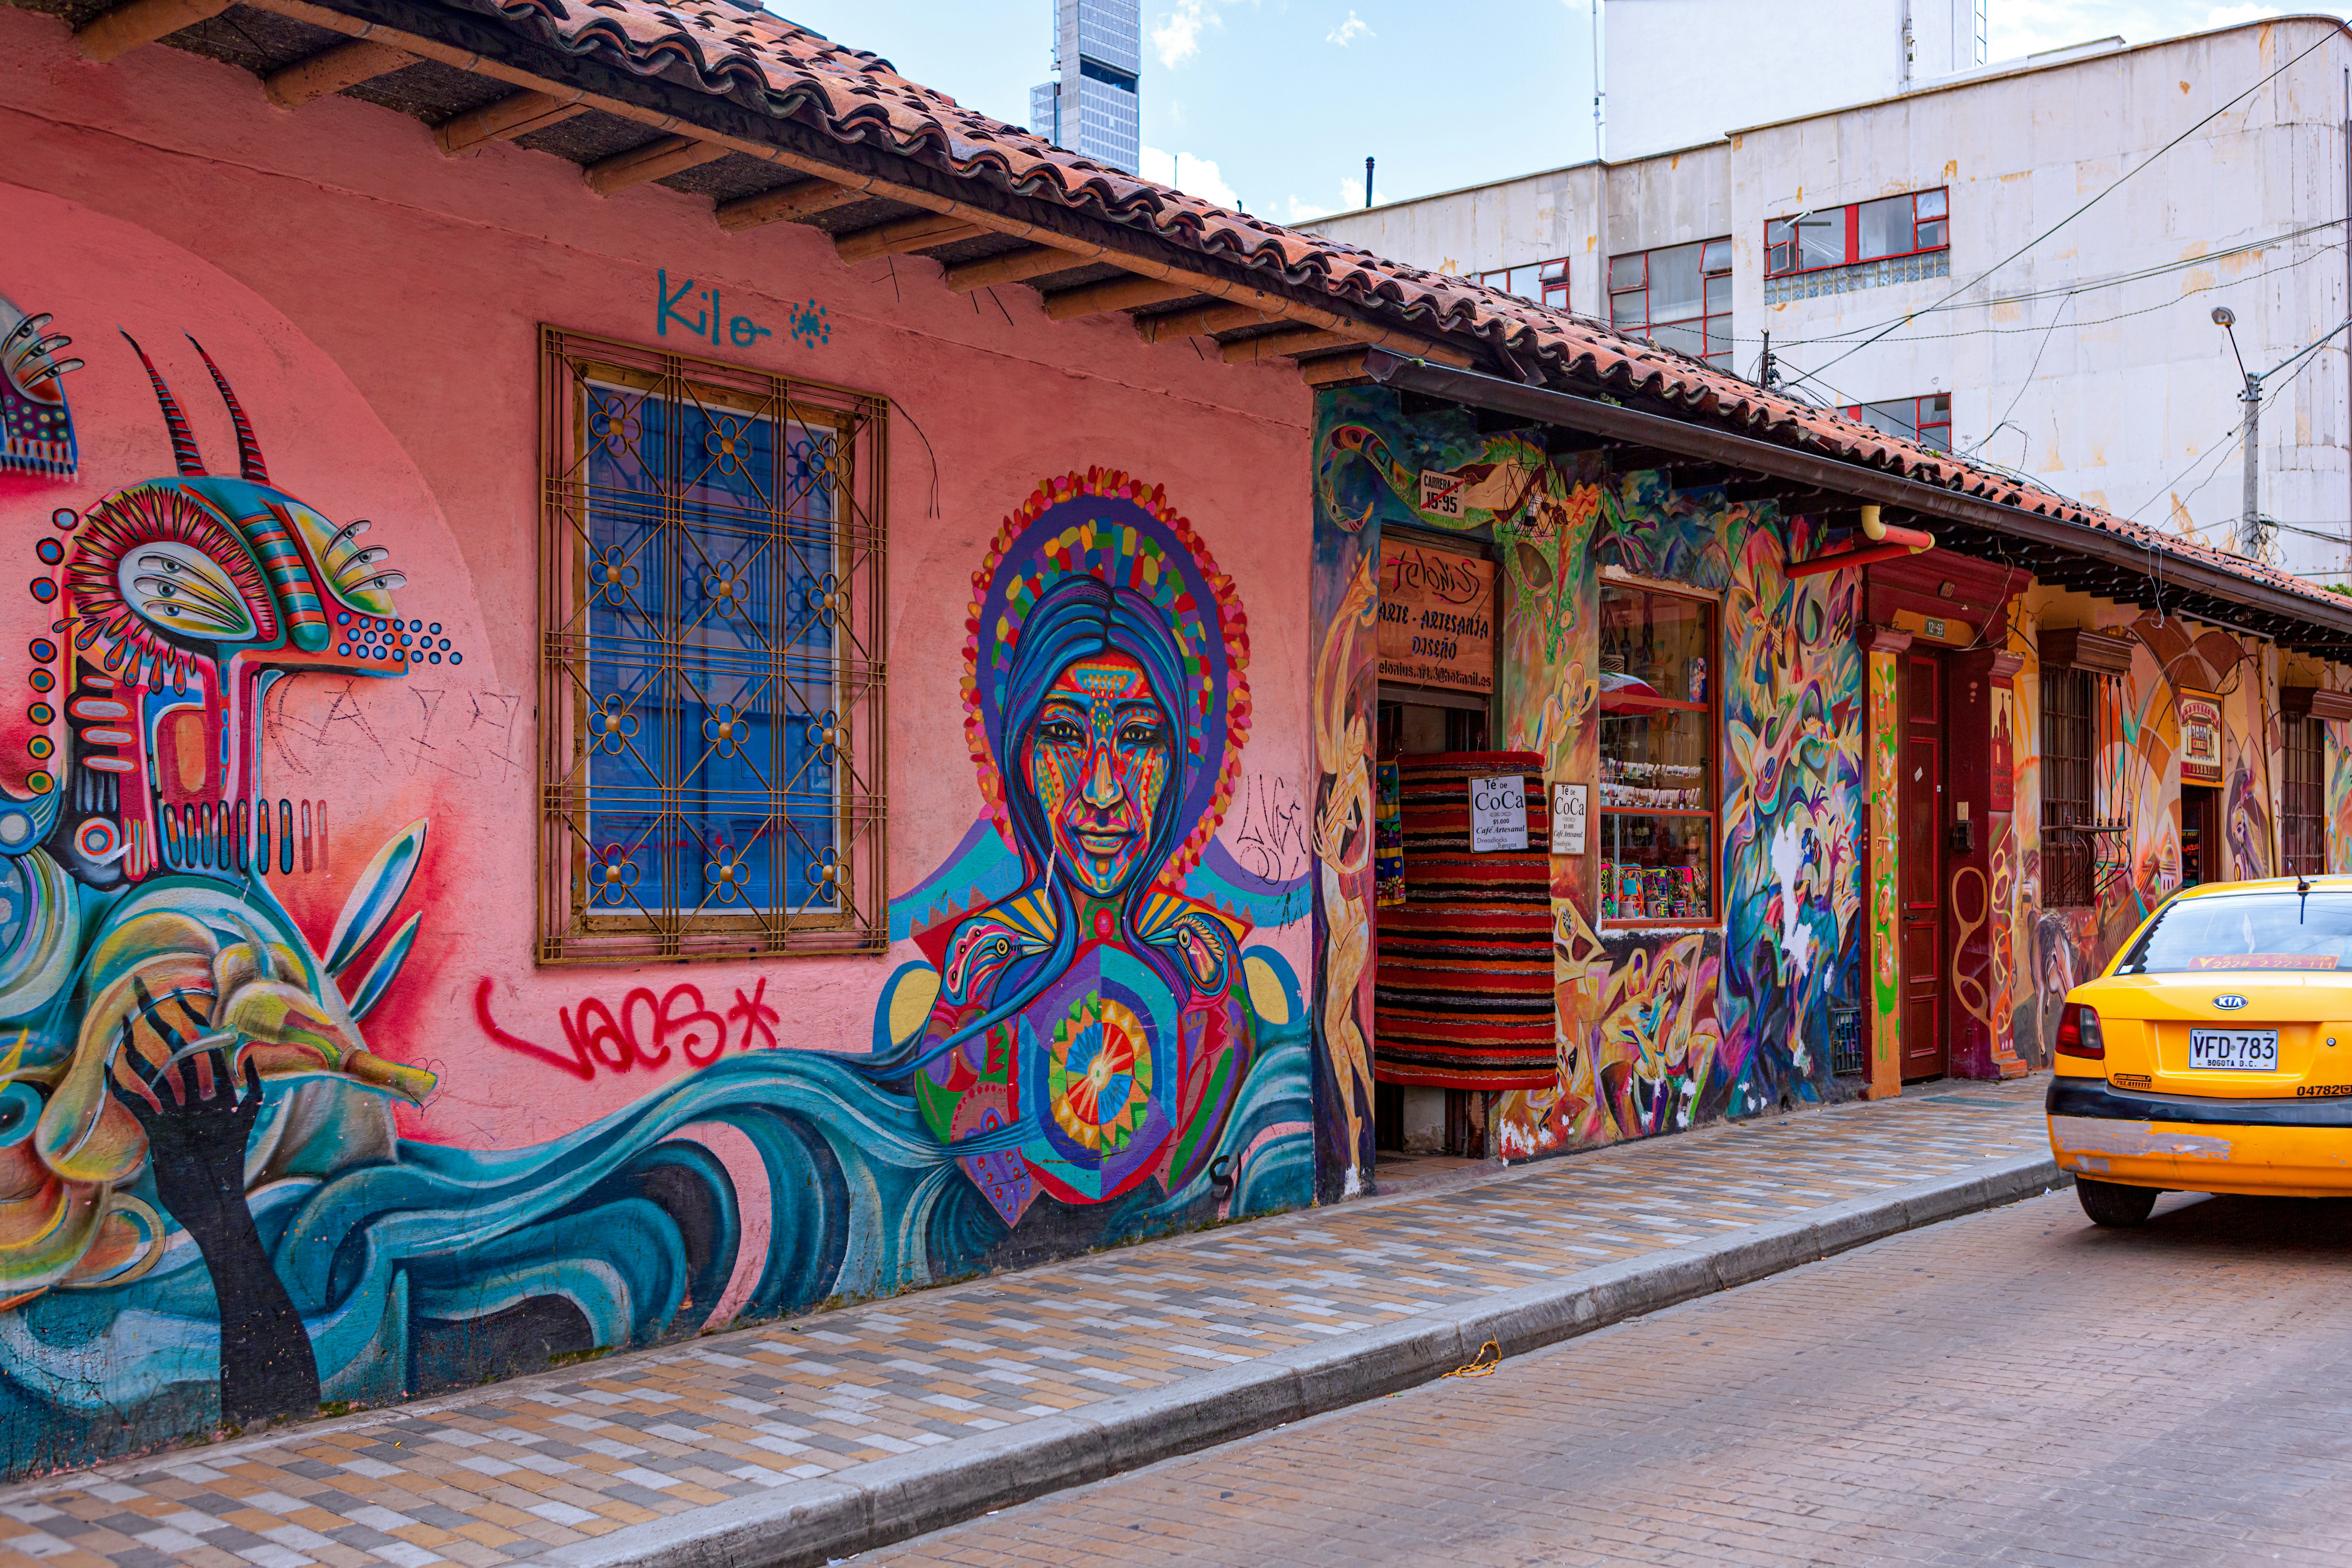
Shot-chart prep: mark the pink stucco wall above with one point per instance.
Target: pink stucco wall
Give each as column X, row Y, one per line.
column 376, row 303
column 396, row 293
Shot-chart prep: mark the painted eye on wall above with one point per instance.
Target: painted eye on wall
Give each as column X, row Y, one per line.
column 153, row 565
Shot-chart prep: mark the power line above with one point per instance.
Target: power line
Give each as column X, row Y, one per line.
column 2103, row 193
column 2100, row 321
column 2115, row 281
column 2235, row 435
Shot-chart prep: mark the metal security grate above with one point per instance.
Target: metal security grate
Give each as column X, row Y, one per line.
column 2303, row 816
column 711, row 709
column 1847, row 1059
column 2069, row 733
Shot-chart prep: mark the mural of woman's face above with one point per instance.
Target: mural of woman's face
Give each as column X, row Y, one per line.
column 1099, row 756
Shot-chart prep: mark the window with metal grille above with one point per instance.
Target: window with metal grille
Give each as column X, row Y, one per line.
column 1544, row 282
column 711, row 701
column 1679, row 296
column 2302, row 817
column 1859, row 231
column 2069, row 753
column 1927, row 420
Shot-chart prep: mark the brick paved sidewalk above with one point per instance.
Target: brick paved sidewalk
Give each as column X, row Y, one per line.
column 498, row 1474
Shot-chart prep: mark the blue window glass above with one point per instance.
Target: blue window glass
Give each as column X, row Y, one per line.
column 712, row 713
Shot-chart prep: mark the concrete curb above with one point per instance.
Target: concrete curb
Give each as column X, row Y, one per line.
column 893, row 1499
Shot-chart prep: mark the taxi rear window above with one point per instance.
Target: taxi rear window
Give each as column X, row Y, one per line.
column 2243, row 932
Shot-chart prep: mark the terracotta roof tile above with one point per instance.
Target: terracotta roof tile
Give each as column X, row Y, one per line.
column 855, row 96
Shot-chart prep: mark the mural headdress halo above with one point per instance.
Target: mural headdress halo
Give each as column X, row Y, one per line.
column 1108, row 525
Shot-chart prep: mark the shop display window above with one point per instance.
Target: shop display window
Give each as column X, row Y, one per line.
column 1658, row 775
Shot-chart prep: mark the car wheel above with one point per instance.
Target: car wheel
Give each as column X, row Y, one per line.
column 2109, row 1203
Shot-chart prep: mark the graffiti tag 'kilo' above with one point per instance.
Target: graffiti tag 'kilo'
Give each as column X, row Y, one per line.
column 705, row 323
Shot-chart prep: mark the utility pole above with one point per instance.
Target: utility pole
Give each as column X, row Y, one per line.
column 2254, row 529
column 2250, row 430
column 2249, row 524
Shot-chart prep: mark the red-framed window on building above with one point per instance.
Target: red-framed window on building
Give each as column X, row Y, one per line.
column 1543, row 282
column 1659, row 677
column 1679, row 296
column 1927, row 420
column 1860, row 231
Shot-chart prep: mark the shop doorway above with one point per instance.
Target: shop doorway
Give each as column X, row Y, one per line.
column 2200, row 838
column 1408, row 1119
column 1924, row 759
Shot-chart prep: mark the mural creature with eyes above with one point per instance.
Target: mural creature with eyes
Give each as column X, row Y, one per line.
column 177, row 1039
column 1093, row 1030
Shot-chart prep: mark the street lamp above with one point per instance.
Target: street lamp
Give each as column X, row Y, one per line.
column 2250, row 527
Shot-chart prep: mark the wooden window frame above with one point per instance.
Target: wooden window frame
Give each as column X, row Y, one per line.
column 1711, row 712
column 2069, row 785
column 574, row 926
column 2303, row 796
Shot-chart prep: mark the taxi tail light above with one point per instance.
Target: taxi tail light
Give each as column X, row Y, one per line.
column 2078, row 1033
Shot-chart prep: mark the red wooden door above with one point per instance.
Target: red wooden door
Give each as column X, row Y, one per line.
column 1920, row 807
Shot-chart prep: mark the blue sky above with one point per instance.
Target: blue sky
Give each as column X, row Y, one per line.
column 1276, row 102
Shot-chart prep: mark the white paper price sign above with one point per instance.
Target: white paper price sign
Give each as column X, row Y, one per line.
column 1570, row 803
column 1498, row 813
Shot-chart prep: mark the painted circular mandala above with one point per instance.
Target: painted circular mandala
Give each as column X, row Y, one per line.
column 1106, row 525
column 1099, row 1080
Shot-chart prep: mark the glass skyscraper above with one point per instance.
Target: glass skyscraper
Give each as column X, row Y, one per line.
column 1090, row 107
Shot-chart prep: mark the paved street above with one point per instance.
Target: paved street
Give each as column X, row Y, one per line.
column 2015, row 1387
column 490, row 1476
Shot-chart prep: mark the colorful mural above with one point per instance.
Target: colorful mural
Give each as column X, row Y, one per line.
column 1657, row 1030
column 1097, row 1027
column 2136, row 781
column 2337, row 743
column 1344, row 597
column 1885, row 842
column 231, row 1191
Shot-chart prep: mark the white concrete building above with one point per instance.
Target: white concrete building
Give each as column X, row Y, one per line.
column 2020, row 259
column 1744, row 59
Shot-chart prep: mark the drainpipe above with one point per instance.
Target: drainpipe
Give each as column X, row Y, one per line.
column 1886, row 542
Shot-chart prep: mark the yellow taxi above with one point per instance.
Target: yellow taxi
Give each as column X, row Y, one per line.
column 2215, row 1053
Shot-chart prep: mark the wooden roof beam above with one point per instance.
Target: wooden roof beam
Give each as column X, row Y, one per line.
column 785, row 204
column 1013, row 266
column 1281, row 345
column 518, row 114
column 1332, row 370
column 656, row 160
column 331, row 70
column 923, row 231
column 1113, row 294
column 1207, row 319
column 1201, row 276
column 114, row 33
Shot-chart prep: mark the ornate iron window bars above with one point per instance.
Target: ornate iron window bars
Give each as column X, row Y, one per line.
column 712, row 694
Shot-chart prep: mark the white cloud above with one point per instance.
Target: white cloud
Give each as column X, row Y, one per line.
column 1196, row 177
column 1349, row 31
column 1178, row 37
column 1351, row 196
column 2230, row 15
